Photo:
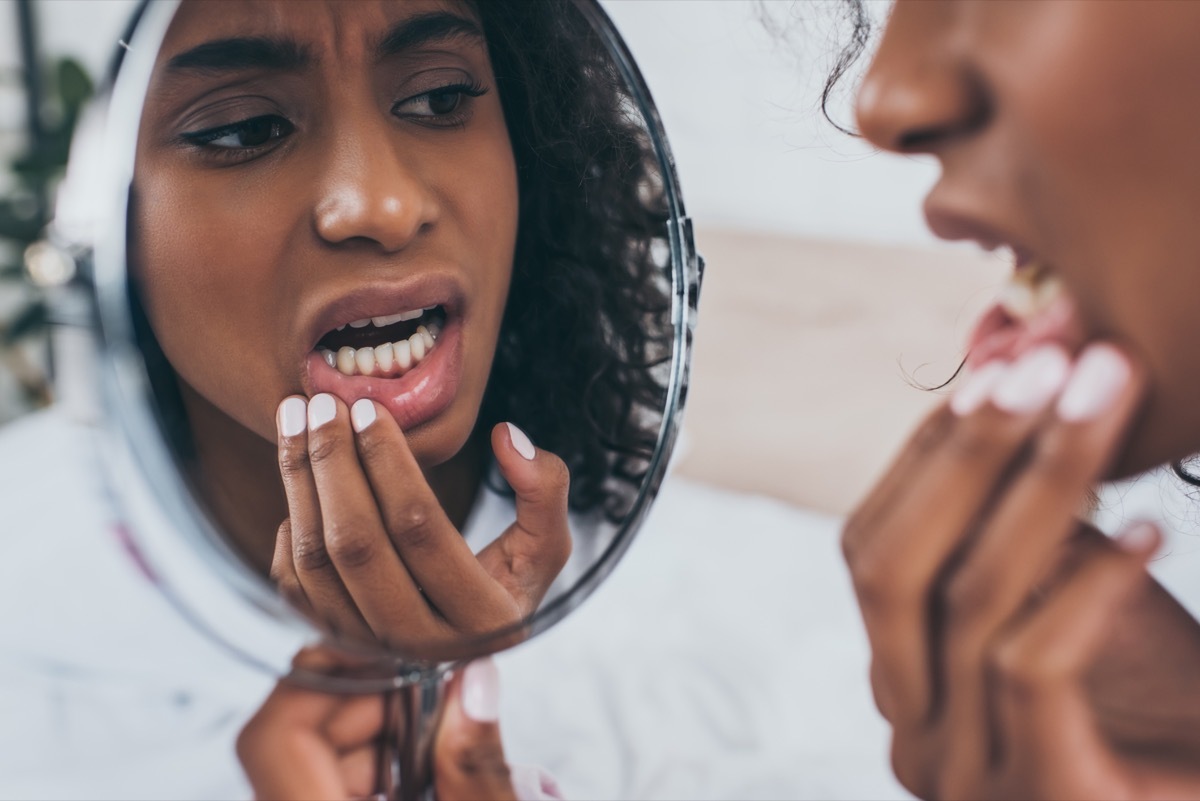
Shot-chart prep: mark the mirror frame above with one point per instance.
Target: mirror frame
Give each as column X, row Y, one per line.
column 156, row 501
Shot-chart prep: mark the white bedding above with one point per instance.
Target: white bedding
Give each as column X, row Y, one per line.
column 724, row 658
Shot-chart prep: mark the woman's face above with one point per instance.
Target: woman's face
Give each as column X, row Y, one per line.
column 1068, row 132
column 307, row 175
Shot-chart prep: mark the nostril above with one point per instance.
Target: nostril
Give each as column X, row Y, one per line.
column 928, row 138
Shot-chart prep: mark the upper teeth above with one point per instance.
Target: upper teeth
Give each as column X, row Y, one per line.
column 1030, row 291
column 388, row 319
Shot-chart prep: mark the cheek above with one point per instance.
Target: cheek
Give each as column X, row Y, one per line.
column 206, row 305
column 1112, row 184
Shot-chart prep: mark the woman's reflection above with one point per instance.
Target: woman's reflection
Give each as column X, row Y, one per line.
column 375, row 243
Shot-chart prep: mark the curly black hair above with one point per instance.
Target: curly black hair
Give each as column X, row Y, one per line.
column 586, row 341
column 587, row 332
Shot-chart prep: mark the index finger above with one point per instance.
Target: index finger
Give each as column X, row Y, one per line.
column 430, row 546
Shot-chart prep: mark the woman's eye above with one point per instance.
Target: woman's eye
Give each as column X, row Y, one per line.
column 243, row 135
column 443, row 102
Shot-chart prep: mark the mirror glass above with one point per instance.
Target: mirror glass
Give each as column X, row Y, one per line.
column 395, row 303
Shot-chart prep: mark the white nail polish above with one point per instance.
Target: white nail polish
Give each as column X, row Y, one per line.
column 1033, row 381
column 481, row 691
column 362, row 414
column 1100, row 375
column 321, row 409
column 292, row 414
column 521, row 442
column 977, row 387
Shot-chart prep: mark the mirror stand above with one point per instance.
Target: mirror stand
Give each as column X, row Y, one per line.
column 410, row 721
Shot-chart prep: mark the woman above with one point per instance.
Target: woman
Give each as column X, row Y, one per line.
column 363, row 236
column 1016, row 652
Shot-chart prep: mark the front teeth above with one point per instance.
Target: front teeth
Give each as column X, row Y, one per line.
column 1029, row 292
column 389, row 319
column 391, row 359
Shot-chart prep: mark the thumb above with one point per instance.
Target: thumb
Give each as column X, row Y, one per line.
column 468, row 758
column 534, row 550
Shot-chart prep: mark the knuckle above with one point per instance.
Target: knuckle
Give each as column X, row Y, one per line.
column 372, row 447
column 322, row 449
column 1058, row 467
column 975, row 443
column 1021, row 671
column 293, row 461
column 310, row 553
column 413, row 523
column 882, row 583
column 964, row 596
column 351, row 545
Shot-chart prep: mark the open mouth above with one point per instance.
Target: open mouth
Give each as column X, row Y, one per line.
column 388, row 346
column 1033, row 308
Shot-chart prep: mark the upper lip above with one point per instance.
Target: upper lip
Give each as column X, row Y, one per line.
column 381, row 298
column 949, row 221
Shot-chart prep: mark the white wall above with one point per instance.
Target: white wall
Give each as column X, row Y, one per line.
column 739, row 105
column 741, row 108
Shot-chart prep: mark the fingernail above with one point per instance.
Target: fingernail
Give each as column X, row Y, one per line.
column 521, row 442
column 1033, row 380
column 321, row 409
column 481, row 691
column 977, row 387
column 292, row 413
column 1100, row 375
column 362, row 414
column 1138, row 538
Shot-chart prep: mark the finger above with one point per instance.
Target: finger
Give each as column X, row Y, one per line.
column 378, row 585
column 468, row 759
column 282, row 749
column 1023, row 539
column 909, row 545
column 529, row 555
column 313, row 572
column 359, row 769
column 283, row 571
column 428, row 544
column 1049, row 733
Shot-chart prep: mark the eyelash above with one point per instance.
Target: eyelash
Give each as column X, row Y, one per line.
column 281, row 127
column 451, row 119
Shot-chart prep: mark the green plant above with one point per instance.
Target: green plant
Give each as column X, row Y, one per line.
column 25, row 211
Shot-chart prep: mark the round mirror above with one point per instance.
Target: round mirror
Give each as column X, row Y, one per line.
column 393, row 304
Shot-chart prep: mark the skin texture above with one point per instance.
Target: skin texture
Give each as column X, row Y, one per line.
column 1015, row 652
column 368, row 173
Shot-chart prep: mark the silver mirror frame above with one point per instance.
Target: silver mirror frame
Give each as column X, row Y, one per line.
column 152, row 495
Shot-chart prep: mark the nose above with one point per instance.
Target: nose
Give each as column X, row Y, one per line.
column 920, row 91
column 370, row 192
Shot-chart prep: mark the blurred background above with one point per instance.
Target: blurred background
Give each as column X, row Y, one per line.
column 825, row 301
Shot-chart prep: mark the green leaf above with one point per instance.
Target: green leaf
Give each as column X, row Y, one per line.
column 74, row 85
column 30, row 320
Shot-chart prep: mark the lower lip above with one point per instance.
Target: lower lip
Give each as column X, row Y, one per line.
column 414, row 398
column 998, row 335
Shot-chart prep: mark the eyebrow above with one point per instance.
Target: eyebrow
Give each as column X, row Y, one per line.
column 286, row 55
column 243, row 53
column 436, row 26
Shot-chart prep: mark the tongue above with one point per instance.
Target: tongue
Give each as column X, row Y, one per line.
column 1000, row 335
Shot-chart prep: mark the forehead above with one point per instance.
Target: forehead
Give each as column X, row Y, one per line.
column 324, row 30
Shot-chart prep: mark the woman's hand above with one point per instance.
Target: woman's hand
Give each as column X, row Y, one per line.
column 303, row 744
column 368, row 549
column 1013, row 655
